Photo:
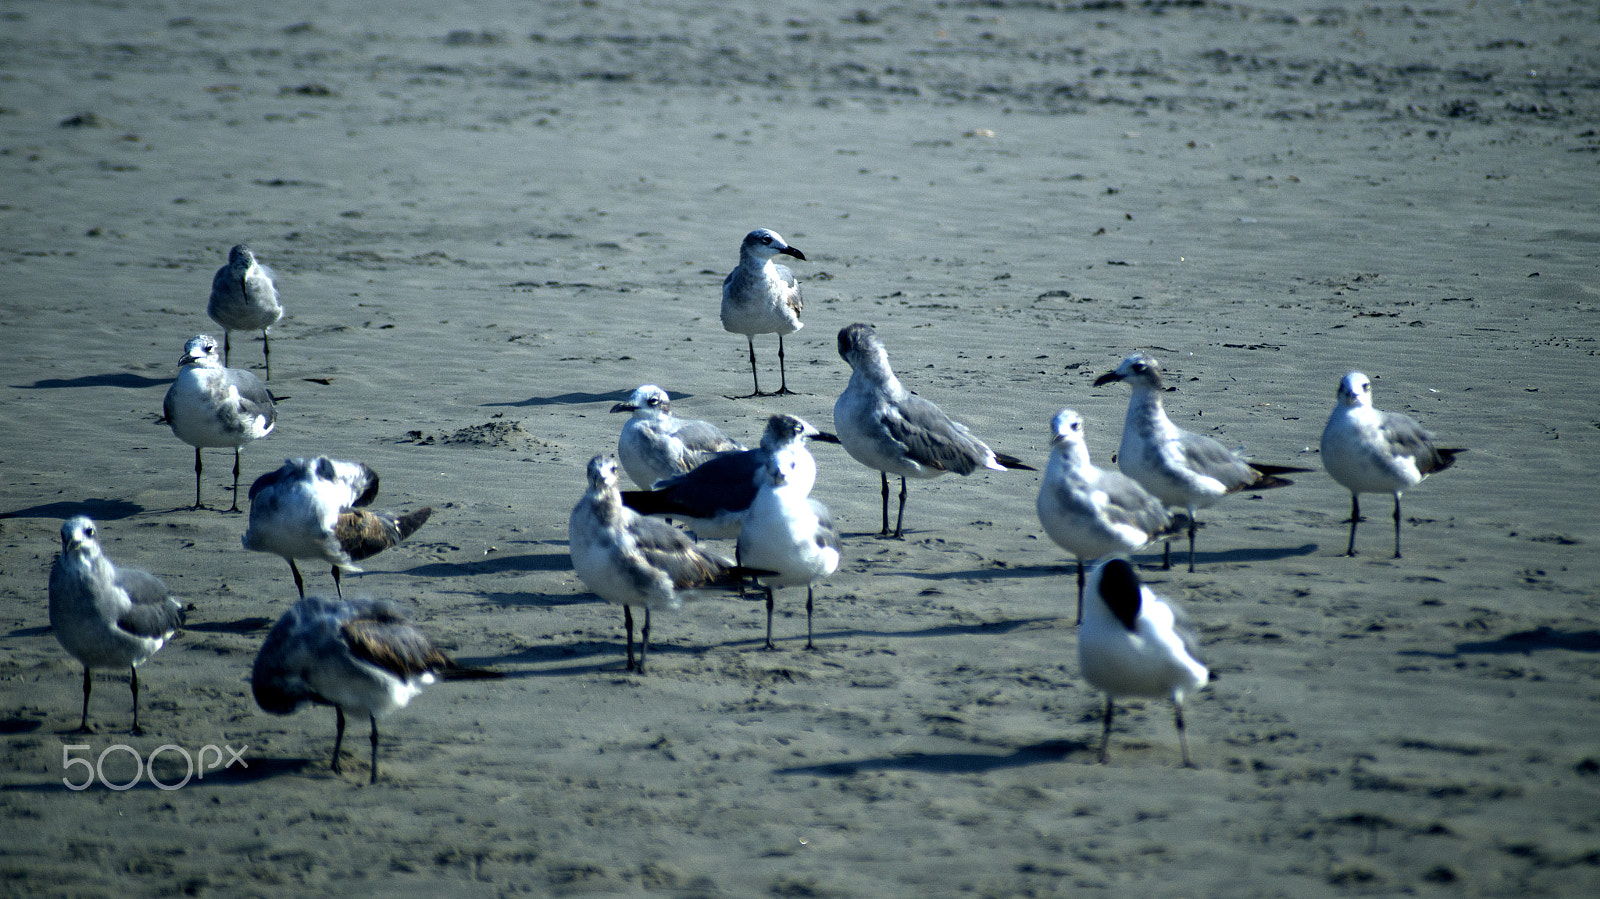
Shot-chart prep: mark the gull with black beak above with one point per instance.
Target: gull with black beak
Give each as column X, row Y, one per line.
column 243, row 298
column 310, row 509
column 888, row 428
column 1090, row 511
column 655, row 444
column 104, row 615
column 712, row 500
column 1183, row 469
column 1134, row 643
column 1371, row 451
column 763, row 297
column 212, row 406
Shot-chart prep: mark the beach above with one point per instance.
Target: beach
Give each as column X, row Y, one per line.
column 490, row 222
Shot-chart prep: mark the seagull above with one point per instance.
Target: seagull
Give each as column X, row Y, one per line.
column 309, row 509
column 1090, row 511
column 712, row 499
column 243, row 299
column 358, row 655
column 886, row 427
column 762, row 297
column 209, row 405
column 631, row 560
column 655, row 444
column 1183, row 469
column 1371, row 451
column 787, row 532
column 105, row 616
column 1134, row 643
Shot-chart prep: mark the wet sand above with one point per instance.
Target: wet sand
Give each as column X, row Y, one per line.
column 492, row 221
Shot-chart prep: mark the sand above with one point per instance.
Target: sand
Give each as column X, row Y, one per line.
column 491, row 221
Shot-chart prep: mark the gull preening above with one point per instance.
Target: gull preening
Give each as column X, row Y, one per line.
column 763, row 297
column 243, row 298
column 1134, row 643
column 1368, row 450
column 787, row 532
column 212, row 406
column 104, row 615
column 1090, row 511
column 360, row 656
column 712, row 499
column 655, row 444
column 309, row 509
column 886, row 427
column 1183, row 469
column 630, row 560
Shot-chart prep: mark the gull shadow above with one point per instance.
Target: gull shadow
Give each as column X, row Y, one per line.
column 536, row 600
column 1521, row 643
column 1180, row 554
column 30, row 632
column 569, row 399
column 98, row 509
column 120, row 379
column 172, row 772
column 948, row 762
column 942, row 630
column 242, row 626
column 494, row 565
column 613, row 652
column 11, row 726
column 985, row 574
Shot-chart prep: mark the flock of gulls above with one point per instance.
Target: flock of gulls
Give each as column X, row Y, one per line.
column 642, row 548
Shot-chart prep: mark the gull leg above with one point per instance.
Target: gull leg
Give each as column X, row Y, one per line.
column 1355, row 516
column 338, row 591
column 374, row 778
column 754, row 378
column 783, row 377
column 338, row 740
column 83, row 724
column 266, row 353
column 769, row 621
column 1080, row 592
column 885, row 531
column 644, row 639
column 627, row 623
column 197, row 467
column 133, row 685
column 299, row 582
column 1193, row 525
column 1105, row 737
column 809, row 644
column 1397, row 525
column 227, row 345
column 1166, row 555
column 1183, row 741
column 235, row 506
column 900, row 519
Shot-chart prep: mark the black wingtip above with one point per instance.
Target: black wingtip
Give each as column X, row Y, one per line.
column 1013, row 463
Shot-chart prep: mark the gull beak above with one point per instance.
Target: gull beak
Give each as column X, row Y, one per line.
column 791, row 251
column 187, row 359
column 1107, row 378
column 624, row 407
column 825, row 437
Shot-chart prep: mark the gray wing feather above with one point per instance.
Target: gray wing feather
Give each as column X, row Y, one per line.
column 933, row 438
column 1211, row 458
column 827, row 533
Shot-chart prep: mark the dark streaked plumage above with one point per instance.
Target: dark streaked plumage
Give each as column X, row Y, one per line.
column 361, row 656
column 309, row 509
column 106, row 616
column 888, row 428
column 212, row 406
column 1368, row 450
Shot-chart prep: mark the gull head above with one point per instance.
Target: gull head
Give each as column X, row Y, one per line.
column 602, row 474
column 1138, row 370
column 77, row 532
column 764, row 243
column 1066, row 427
column 201, row 350
column 240, row 258
column 649, row 399
column 1355, row 390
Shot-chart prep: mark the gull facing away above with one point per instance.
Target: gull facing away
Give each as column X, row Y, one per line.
column 886, row 427
column 106, row 616
column 1368, row 450
column 787, row 532
column 711, row 500
column 1134, row 643
column 1183, row 469
column 763, row 297
column 1090, row 511
column 360, row 656
column 631, row 560
column 243, row 298
column 655, row 444
column 212, row 406
column 309, row 509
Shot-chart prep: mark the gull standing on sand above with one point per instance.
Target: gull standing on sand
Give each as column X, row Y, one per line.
column 1183, row 469
column 308, row 509
column 209, row 405
column 358, row 655
column 655, row 444
column 763, row 297
column 631, row 560
column 787, row 532
column 106, row 616
column 1090, row 511
column 886, row 427
column 712, row 500
column 1371, row 451
column 1134, row 643
column 243, row 298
